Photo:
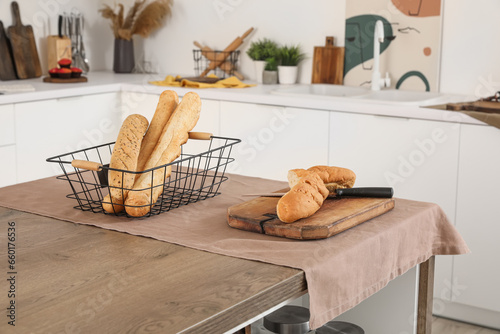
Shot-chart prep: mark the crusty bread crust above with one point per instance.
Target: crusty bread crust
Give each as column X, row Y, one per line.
column 167, row 103
column 147, row 187
column 124, row 157
column 333, row 177
column 303, row 199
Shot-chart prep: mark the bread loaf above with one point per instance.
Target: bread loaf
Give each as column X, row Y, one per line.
column 149, row 186
column 124, row 157
column 167, row 103
column 303, row 199
column 333, row 177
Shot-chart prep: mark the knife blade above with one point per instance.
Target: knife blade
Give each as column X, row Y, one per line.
column 378, row 192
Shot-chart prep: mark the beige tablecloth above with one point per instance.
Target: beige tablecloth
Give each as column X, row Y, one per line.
column 340, row 271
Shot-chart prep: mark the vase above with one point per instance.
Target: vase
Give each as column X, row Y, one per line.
column 270, row 77
column 287, row 74
column 123, row 61
column 259, row 69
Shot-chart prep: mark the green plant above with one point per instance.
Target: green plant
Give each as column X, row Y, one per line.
column 271, row 64
column 262, row 49
column 290, row 55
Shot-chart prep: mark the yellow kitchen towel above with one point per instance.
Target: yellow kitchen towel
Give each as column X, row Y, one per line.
column 231, row 82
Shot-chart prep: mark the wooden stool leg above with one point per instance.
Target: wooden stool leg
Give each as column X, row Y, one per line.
column 425, row 296
column 246, row 330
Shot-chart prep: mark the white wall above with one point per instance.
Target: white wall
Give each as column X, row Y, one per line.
column 470, row 48
column 470, row 61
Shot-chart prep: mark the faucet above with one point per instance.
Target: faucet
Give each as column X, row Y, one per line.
column 378, row 37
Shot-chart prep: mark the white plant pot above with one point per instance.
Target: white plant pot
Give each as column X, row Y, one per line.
column 287, row 74
column 259, row 69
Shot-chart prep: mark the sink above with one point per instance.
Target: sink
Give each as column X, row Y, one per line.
column 403, row 97
column 385, row 96
column 324, row 90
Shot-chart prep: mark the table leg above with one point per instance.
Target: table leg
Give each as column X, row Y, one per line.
column 425, row 296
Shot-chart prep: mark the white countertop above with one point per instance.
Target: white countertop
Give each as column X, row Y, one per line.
column 106, row 82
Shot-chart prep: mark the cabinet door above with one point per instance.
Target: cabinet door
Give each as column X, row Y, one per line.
column 7, row 136
column 53, row 127
column 478, row 219
column 274, row 139
column 417, row 158
column 8, row 166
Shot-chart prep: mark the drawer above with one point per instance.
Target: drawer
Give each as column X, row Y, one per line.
column 7, row 135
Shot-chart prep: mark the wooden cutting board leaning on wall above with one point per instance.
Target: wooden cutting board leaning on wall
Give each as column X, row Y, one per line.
column 328, row 63
column 24, row 49
column 7, row 71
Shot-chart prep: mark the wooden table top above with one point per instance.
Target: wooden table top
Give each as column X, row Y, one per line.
column 83, row 279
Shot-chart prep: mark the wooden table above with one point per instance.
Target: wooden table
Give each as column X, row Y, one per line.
column 72, row 278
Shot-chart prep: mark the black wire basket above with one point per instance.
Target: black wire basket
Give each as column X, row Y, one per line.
column 203, row 59
column 194, row 177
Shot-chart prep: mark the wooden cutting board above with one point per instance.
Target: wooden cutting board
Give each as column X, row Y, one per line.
column 69, row 80
column 336, row 215
column 328, row 63
column 484, row 106
column 25, row 54
column 7, row 71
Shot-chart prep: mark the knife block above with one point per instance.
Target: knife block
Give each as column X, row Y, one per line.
column 57, row 48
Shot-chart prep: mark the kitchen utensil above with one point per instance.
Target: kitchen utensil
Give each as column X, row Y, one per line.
column 226, row 66
column 7, row 71
column 58, row 46
column 223, row 55
column 376, row 192
column 335, row 215
column 24, row 50
column 328, row 63
column 200, row 79
column 85, row 62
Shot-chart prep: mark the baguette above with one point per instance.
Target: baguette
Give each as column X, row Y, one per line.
column 148, row 186
column 303, row 199
column 333, row 177
column 124, row 156
column 167, row 103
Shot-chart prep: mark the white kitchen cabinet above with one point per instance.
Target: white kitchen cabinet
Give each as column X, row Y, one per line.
column 274, row 139
column 7, row 133
column 477, row 275
column 53, row 127
column 7, row 146
column 417, row 158
column 8, row 166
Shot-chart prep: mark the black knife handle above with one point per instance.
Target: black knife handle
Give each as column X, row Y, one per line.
column 59, row 26
column 380, row 192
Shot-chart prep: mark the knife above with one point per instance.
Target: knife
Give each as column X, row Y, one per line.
column 378, row 192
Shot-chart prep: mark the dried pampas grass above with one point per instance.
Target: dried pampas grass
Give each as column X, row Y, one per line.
column 141, row 19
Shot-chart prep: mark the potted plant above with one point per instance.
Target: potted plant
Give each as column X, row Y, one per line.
column 260, row 51
column 141, row 19
column 270, row 74
column 289, row 59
